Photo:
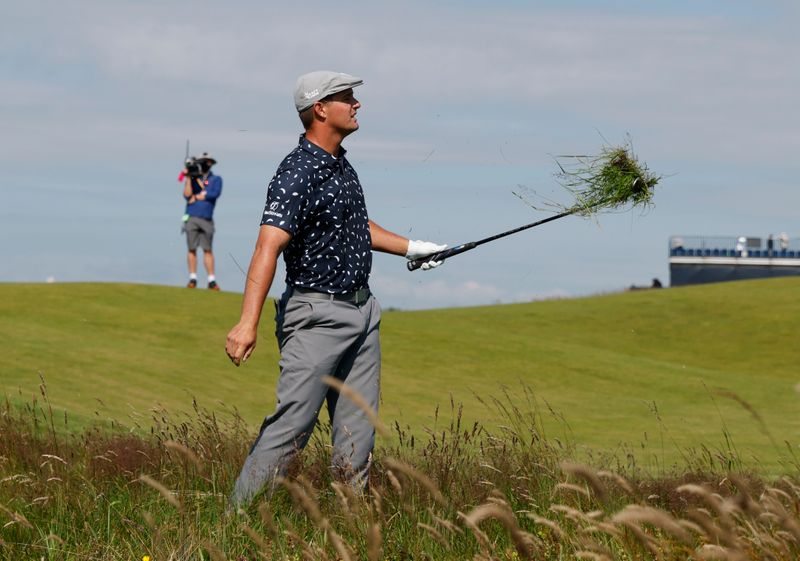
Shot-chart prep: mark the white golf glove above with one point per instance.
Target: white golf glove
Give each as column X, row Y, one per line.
column 418, row 249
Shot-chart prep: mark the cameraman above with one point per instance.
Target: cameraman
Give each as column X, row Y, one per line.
column 201, row 191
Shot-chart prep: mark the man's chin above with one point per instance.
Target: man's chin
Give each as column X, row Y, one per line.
column 351, row 128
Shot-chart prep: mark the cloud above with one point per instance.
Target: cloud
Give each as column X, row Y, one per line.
column 634, row 72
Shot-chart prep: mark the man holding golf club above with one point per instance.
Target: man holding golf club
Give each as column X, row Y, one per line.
column 327, row 320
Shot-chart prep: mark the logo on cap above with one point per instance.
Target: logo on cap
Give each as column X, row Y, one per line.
column 309, row 95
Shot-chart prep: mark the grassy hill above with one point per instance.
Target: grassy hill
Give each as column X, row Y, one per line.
column 642, row 375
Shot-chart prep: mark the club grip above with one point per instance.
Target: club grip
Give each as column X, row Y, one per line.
column 415, row 264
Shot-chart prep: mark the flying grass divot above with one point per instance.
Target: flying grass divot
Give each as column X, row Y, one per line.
column 609, row 181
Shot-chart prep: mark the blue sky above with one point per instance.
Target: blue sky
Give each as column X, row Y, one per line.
column 463, row 104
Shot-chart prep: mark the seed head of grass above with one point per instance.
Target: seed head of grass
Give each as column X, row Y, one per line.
column 637, row 514
column 588, row 475
column 523, row 541
column 425, row 481
column 168, row 495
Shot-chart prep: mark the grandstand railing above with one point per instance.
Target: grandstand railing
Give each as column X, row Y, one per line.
column 734, row 246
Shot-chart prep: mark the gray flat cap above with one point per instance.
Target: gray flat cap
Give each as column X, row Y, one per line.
column 312, row 87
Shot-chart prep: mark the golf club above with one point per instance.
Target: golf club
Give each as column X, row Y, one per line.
column 605, row 182
column 415, row 264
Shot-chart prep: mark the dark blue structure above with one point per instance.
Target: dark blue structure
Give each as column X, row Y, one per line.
column 699, row 260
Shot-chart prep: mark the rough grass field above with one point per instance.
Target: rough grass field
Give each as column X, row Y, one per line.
column 675, row 402
column 645, row 376
column 460, row 493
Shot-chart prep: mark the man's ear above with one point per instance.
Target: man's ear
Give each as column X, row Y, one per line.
column 320, row 111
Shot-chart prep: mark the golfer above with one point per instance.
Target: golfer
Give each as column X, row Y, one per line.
column 327, row 320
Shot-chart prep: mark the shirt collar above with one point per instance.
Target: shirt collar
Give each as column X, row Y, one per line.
column 320, row 153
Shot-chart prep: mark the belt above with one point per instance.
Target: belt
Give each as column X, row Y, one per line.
column 356, row 297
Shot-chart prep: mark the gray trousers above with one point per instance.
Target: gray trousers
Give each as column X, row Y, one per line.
column 318, row 338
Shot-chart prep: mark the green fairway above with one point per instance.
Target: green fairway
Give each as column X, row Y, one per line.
column 649, row 373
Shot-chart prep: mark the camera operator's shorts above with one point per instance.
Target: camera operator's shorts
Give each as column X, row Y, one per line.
column 199, row 233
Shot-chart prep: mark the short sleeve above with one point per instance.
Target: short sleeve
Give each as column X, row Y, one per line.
column 288, row 200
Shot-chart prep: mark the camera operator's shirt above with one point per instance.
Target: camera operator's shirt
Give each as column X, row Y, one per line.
column 205, row 208
column 317, row 198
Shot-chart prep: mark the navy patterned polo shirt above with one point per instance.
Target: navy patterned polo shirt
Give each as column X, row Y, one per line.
column 317, row 198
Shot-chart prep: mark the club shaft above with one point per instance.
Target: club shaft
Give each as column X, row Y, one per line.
column 415, row 264
column 525, row 227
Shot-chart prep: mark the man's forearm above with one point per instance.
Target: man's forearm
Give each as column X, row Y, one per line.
column 190, row 195
column 386, row 241
column 259, row 279
column 241, row 340
column 271, row 242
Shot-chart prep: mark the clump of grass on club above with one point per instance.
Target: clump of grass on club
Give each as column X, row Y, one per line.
column 612, row 180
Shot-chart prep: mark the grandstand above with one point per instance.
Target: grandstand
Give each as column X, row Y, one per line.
column 704, row 259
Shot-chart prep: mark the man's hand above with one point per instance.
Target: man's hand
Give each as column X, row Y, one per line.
column 241, row 343
column 418, row 248
column 241, row 340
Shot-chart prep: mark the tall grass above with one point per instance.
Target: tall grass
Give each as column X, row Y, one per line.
column 461, row 492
